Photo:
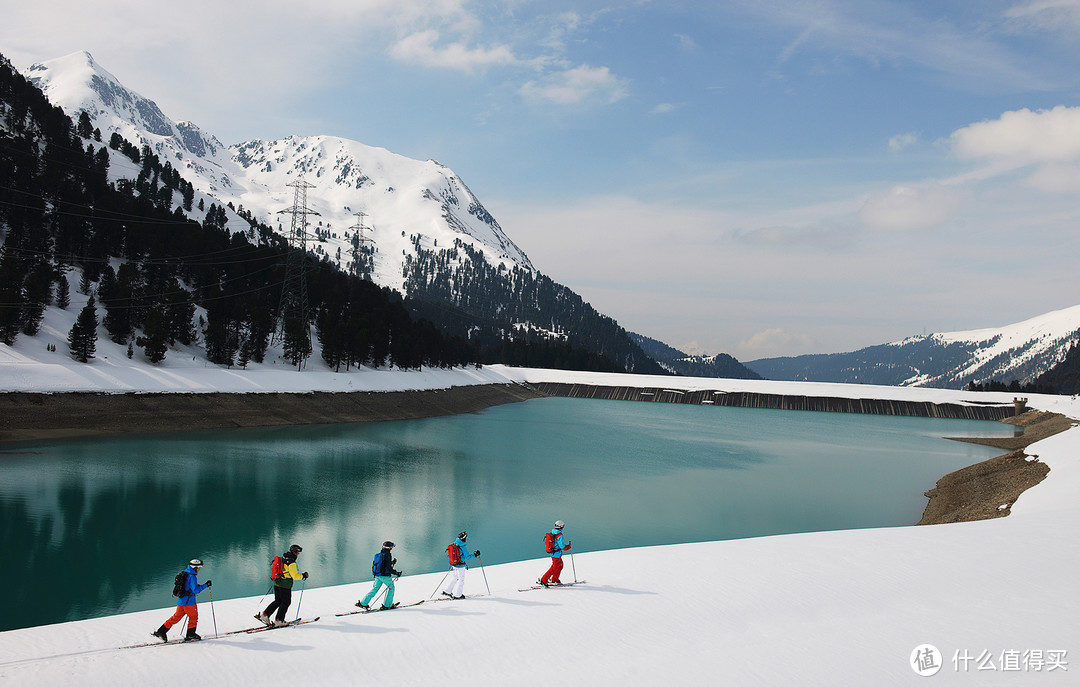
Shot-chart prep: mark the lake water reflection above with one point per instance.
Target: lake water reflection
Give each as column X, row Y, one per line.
column 97, row 527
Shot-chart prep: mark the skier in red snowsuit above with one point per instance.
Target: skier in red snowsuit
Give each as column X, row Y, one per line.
column 552, row 575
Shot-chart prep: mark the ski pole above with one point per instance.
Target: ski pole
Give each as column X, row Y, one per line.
column 265, row 593
column 300, row 601
column 574, row 567
column 484, row 574
column 212, row 614
column 440, row 584
column 382, row 591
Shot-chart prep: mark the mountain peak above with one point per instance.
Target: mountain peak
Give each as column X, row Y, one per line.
column 405, row 205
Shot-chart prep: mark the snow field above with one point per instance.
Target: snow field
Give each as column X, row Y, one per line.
column 837, row 608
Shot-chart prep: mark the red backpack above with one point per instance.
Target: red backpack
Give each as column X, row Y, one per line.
column 454, row 553
column 277, row 568
column 549, row 543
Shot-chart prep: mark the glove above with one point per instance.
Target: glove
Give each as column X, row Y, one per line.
column 209, row 583
column 397, row 575
column 476, row 553
column 305, row 576
column 567, row 547
column 393, row 561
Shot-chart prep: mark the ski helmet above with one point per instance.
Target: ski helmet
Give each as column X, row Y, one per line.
column 559, row 524
column 388, row 544
column 295, row 548
column 195, row 562
column 462, row 535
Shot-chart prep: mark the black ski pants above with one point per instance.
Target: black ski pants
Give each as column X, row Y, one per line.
column 282, row 599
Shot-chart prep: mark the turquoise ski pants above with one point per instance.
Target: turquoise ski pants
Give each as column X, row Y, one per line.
column 379, row 582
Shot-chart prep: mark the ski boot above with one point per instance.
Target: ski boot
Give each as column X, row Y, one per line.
column 191, row 636
column 161, row 633
column 264, row 619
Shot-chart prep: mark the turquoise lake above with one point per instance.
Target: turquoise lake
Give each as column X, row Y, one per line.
column 97, row 527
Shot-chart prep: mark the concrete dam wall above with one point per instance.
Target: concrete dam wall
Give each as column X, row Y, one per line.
column 779, row 402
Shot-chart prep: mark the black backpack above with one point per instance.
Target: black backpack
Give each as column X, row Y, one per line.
column 180, row 584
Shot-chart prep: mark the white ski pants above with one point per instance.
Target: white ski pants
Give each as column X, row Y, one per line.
column 457, row 581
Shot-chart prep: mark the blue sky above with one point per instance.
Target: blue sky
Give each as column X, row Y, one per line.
column 755, row 177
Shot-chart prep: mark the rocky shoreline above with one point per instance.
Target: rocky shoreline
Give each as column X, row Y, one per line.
column 990, row 488
column 30, row 417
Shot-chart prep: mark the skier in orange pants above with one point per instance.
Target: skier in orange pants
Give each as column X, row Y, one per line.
column 185, row 605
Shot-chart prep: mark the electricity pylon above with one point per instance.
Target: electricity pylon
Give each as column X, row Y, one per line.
column 294, row 300
column 359, row 267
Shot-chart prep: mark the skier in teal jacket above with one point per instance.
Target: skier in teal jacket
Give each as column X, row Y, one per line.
column 457, row 569
column 552, row 575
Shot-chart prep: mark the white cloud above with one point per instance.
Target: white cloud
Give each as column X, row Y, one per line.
column 906, row 208
column 576, row 86
column 896, row 32
column 665, row 108
column 1023, row 137
column 901, row 141
column 773, row 342
column 1057, row 178
column 686, row 42
column 1052, row 15
column 421, row 48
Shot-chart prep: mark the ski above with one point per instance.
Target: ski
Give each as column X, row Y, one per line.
column 376, row 610
column 551, row 586
column 454, row 598
column 252, row 630
column 248, row 630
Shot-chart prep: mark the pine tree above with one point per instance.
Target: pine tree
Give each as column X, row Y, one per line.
column 11, row 296
column 84, row 128
column 296, row 344
column 63, row 293
column 156, row 334
column 82, row 339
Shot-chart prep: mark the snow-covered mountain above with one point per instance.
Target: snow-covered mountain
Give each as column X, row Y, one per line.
column 1020, row 351
column 400, row 203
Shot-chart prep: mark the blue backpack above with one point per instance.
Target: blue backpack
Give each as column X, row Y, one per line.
column 376, row 565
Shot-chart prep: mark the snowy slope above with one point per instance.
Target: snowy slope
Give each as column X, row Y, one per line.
column 1020, row 351
column 398, row 196
column 997, row 598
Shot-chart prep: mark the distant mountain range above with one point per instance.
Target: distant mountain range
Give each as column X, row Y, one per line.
column 1020, row 352
column 677, row 362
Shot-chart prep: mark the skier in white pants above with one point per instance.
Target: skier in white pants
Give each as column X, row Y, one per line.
column 458, row 554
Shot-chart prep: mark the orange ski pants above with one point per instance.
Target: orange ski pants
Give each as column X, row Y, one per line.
column 192, row 612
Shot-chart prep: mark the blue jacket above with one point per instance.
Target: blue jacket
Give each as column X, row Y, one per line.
column 464, row 552
column 558, row 544
column 383, row 564
column 193, row 587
